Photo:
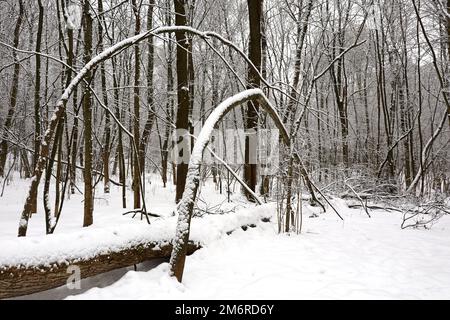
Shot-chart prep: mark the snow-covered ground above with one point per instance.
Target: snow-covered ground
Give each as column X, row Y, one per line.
column 358, row 258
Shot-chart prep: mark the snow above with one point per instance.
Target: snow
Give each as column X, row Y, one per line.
column 23, row 222
column 111, row 232
column 358, row 258
column 73, row 17
column 193, row 174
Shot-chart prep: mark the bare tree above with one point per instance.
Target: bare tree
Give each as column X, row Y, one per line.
column 182, row 117
column 14, row 89
column 255, row 12
column 87, row 116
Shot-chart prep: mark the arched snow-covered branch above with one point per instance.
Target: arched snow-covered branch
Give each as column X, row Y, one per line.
column 186, row 206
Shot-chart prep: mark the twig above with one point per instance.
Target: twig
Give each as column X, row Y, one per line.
column 359, row 198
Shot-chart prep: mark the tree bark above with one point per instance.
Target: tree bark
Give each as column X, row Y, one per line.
column 20, row 280
column 255, row 12
column 87, row 115
column 37, row 96
column 182, row 117
column 150, row 91
column 136, row 108
column 107, row 143
column 14, row 90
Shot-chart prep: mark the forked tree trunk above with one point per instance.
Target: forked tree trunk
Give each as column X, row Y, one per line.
column 302, row 27
column 289, row 115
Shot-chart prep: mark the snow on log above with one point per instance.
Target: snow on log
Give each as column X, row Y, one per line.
column 22, row 280
column 38, row 263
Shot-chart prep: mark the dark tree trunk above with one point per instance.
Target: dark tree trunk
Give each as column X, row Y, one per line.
column 74, row 147
column 107, row 144
column 182, row 117
column 255, row 12
column 14, row 89
column 136, row 109
column 340, row 90
column 164, row 141
column 150, row 101
column 120, row 154
column 87, row 115
column 37, row 97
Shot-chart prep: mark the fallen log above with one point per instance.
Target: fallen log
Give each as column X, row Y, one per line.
column 372, row 207
column 28, row 273
column 22, row 280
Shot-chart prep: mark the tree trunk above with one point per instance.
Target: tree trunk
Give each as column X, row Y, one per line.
column 87, row 115
column 58, row 178
column 340, row 84
column 37, row 96
column 182, row 117
column 136, row 108
column 302, row 27
column 14, row 89
column 255, row 12
column 120, row 153
column 150, row 101
column 107, row 143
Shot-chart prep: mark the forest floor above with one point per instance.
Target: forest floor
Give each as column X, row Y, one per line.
column 358, row 258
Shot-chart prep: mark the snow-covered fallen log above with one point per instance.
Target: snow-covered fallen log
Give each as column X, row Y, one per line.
column 22, row 280
column 38, row 263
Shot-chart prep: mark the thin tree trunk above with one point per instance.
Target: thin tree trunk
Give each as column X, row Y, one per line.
column 150, row 100
column 302, row 28
column 120, row 153
column 87, row 115
column 107, row 144
column 37, row 97
column 14, row 89
column 58, row 179
column 136, row 108
column 255, row 12
column 74, row 147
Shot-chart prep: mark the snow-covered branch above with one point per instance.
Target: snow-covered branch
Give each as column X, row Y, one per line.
column 186, row 205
